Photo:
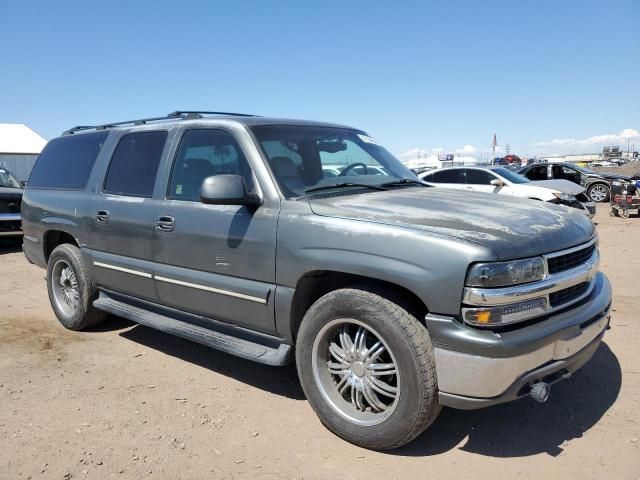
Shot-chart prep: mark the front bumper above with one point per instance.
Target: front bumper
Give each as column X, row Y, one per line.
column 10, row 224
column 478, row 368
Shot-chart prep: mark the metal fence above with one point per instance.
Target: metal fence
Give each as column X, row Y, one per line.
column 19, row 165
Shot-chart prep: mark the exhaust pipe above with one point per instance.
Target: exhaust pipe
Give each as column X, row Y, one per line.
column 540, row 391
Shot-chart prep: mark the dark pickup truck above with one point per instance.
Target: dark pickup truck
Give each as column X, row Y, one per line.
column 10, row 200
column 392, row 297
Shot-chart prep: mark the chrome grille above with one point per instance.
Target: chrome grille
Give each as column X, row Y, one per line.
column 570, row 260
column 567, row 294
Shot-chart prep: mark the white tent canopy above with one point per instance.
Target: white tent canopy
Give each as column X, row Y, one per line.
column 18, row 138
column 420, row 160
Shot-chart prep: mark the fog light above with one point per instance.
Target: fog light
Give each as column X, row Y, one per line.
column 505, row 314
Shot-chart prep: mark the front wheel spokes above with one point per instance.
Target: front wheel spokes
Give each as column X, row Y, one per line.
column 360, row 340
column 373, row 400
column 382, row 369
column 383, row 388
column 338, row 368
column 338, row 353
column 345, row 341
column 374, row 352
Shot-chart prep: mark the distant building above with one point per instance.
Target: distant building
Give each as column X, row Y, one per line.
column 19, row 149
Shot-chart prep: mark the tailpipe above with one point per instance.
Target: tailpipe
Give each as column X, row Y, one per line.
column 540, row 391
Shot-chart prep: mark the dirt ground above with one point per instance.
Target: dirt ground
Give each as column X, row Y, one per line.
column 125, row 401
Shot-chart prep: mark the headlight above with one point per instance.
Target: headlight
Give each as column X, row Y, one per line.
column 504, row 274
column 565, row 197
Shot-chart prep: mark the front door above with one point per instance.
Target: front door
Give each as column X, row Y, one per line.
column 215, row 260
column 480, row 181
column 122, row 225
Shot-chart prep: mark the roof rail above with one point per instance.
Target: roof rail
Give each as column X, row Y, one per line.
column 199, row 113
column 178, row 114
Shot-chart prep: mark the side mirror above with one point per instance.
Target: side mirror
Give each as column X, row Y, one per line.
column 227, row 190
column 497, row 182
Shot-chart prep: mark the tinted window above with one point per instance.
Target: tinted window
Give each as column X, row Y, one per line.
column 537, row 173
column 66, row 162
column 446, row 176
column 202, row 154
column 478, row 177
column 134, row 164
column 562, row 172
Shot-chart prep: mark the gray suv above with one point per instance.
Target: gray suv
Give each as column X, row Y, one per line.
column 392, row 297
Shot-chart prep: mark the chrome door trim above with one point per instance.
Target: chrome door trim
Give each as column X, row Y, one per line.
column 198, row 286
column 122, row 269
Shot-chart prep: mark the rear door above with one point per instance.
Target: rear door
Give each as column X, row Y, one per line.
column 123, row 219
column 450, row 178
column 215, row 260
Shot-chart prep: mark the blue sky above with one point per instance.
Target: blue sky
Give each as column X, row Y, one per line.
column 413, row 74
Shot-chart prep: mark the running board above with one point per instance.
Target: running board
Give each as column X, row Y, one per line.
column 205, row 336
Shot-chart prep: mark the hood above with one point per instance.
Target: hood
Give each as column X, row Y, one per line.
column 609, row 176
column 511, row 227
column 562, row 186
column 7, row 193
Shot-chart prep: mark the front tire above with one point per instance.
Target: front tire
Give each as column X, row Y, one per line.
column 367, row 368
column 71, row 291
column 599, row 192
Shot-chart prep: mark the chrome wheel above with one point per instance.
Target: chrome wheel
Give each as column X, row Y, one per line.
column 356, row 371
column 599, row 193
column 66, row 291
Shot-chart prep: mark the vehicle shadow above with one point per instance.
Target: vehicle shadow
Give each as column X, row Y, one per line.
column 10, row 245
column 515, row 429
column 524, row 427
column 281, row 381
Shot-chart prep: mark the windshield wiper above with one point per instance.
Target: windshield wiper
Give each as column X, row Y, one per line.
column 343, row 185
column 403, row 181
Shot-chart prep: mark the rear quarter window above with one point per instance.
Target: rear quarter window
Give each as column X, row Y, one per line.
column 134, row 164
column 66, row 162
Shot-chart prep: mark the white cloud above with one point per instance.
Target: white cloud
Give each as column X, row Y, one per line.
column 437, row 150
column 466, row 150
column 589, row 144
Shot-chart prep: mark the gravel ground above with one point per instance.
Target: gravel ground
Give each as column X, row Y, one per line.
column 125, row 401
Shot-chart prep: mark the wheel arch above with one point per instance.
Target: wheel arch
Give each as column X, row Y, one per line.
column 314, row 284
column 53, row 238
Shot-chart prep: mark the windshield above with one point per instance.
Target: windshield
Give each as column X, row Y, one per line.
column 582, row 169
column 308, row 158
column 7, row 180
column 510, row 175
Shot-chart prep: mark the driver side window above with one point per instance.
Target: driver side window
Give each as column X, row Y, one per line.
column 205, row 153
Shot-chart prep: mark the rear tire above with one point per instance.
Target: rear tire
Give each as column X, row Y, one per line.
column 71, row 291
column 379, row 402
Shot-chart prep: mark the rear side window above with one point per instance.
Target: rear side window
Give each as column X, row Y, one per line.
column 66, row 162
column 446, row 176
column 537, row 173
column 134, row 164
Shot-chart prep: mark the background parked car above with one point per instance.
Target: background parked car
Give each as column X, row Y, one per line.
column 335, row 170
column 498, row 179
column 10, row 200
column 597, row 184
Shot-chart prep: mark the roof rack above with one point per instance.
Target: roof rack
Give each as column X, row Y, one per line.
column 178, row 114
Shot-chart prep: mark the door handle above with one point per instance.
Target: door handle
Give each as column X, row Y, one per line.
column 165, row 223
column 102, row 216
